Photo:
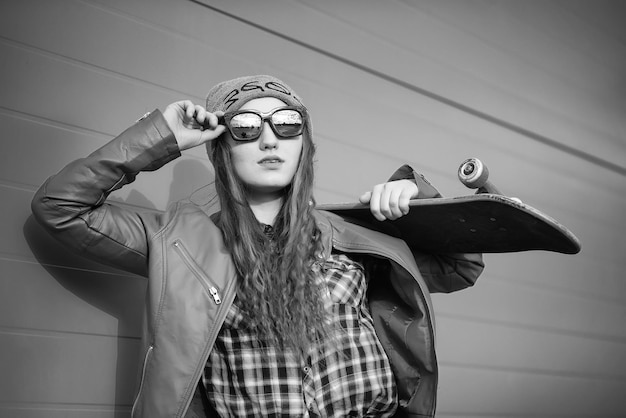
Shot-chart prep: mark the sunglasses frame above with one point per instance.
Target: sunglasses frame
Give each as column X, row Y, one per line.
column 265, row 116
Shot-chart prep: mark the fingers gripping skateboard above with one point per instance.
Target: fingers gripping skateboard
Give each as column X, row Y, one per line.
column 486, row 222
column 475, row 175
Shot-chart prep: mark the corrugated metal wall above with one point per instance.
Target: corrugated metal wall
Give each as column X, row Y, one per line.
column 534, row 88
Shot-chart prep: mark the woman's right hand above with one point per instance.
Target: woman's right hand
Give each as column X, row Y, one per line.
column 192, row 124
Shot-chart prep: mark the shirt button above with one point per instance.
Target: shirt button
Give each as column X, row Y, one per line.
column 306, row 369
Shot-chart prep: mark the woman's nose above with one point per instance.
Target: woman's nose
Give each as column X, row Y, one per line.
column 267, row 139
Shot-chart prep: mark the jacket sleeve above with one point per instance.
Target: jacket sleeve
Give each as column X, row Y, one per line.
column 442, row 272
column 71, row 205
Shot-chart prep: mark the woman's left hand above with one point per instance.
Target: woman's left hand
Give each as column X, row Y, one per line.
column 390, row 200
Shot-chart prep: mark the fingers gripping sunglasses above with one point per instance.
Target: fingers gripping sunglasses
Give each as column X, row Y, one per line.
column 247, row 125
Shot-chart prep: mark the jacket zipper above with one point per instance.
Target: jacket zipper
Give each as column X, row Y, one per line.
column 143, row 376
column 229, row 293
column 204, row 280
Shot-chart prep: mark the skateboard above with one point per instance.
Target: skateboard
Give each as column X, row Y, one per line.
column 484, row 222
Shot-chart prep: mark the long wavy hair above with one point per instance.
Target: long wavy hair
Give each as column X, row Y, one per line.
column 278, row 291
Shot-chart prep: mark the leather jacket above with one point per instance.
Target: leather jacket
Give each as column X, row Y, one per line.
column 192, row 280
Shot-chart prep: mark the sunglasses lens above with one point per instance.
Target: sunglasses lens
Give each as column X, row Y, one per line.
column 287, row 122
column 246, row 126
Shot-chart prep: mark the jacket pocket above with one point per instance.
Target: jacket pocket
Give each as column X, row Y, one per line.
column 197, row 271
column 143, row 376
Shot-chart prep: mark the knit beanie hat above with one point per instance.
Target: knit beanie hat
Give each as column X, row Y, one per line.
column 230, row 95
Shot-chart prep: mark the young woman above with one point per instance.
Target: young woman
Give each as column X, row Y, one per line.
column 263, row 306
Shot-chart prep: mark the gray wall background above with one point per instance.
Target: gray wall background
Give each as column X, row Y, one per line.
column 534, row 88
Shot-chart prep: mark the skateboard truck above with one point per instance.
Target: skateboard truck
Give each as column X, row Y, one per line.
column 475, row 175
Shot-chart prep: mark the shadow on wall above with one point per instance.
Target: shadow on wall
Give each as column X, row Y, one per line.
column 116, row 293
column 111, row 291
column 192, row 179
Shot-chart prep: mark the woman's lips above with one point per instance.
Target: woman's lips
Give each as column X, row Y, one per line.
column 271, row 161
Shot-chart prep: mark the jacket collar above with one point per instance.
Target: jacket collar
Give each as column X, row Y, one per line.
column 333, row 228
column 326, row 229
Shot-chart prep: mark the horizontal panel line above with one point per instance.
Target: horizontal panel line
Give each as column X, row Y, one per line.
column 412, row 87
column 48, row 333
column 94, row 67
column 16, row 114
column 536, row 371
column 61, row 406
column 617, row 299
column 29, row 188
column 535, row 328
column 33, row 260
column 104, row 137
column 432, row 170
column 22, row 187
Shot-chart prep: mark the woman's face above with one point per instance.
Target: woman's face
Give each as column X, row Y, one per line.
column 266, row 165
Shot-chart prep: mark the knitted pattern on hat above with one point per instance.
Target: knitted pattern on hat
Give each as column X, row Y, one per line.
column 230, row 95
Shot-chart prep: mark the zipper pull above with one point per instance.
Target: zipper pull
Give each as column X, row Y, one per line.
column 216, row 295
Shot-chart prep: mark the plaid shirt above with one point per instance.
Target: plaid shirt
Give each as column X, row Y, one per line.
column 349, row 375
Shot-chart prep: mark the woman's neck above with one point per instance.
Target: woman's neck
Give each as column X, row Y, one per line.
column 265, row 206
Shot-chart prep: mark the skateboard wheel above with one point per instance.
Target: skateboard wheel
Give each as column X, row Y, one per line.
column 473, row 173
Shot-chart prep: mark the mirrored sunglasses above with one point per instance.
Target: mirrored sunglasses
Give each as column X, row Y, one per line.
column 247, row 125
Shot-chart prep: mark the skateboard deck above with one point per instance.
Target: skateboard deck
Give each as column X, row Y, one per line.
column 479, row 223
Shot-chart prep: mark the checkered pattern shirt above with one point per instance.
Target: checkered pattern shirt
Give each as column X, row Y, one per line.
column 348, row 375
